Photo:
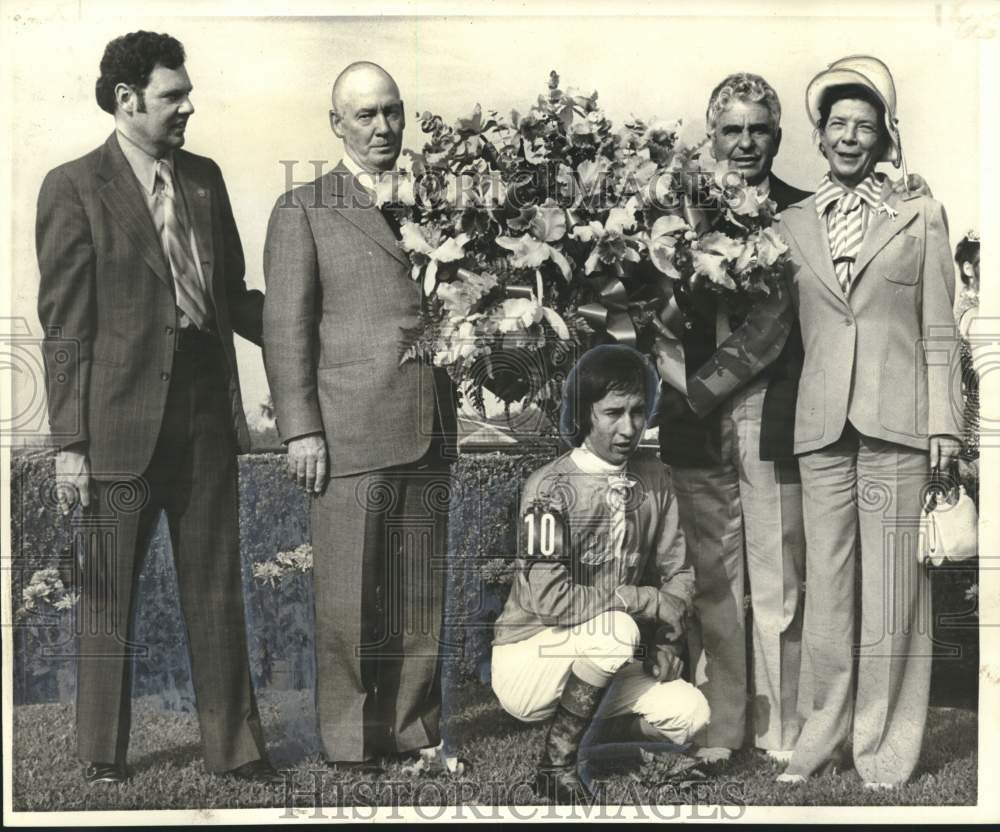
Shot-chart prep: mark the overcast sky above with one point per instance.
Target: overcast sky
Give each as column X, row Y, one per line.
column 261, row 93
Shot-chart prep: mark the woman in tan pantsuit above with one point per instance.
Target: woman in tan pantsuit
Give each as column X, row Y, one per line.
column 873, row 284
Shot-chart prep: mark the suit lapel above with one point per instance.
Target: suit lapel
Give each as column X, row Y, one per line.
column 884, row 227
column 811, row 236
column 198, row 198
column 356, row 205
column 122, row 196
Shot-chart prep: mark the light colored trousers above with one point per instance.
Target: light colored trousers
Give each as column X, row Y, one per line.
column 529, row 677
column 866, row 483
column 747, row 501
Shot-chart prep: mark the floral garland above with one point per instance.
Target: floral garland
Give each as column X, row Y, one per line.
column 538, row 235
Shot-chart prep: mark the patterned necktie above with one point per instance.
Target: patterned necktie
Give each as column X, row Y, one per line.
column 192, row 297
column 846, row 233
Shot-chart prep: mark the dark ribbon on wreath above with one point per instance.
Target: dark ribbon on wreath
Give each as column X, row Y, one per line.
column 617, row 313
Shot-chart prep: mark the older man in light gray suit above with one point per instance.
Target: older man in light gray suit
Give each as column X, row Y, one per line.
column 339, row 292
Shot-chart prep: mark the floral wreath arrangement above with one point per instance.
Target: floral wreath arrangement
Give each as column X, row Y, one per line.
column 536, row 236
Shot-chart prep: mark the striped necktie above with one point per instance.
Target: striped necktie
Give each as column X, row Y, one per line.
column 168, row 213
column 618, row 488
column 846, row 233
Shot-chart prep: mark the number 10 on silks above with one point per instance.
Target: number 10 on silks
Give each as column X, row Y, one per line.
column 542, row 533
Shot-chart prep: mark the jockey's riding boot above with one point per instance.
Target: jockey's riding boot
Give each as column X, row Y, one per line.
column 557, row 777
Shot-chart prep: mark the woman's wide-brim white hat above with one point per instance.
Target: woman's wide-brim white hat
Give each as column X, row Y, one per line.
column 868, row 72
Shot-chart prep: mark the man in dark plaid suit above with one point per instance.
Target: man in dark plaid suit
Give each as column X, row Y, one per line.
column 142, row 269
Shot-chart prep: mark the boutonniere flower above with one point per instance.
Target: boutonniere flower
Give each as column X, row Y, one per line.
column 885, row 208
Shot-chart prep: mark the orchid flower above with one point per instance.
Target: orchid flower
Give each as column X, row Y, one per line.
column 522, row 313
column 413, row 240
column 710, row 253
column 610, row 238
column 662, row 242
column 546, row 224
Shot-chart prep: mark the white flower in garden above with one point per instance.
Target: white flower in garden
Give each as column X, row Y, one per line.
column 33, row 593
column 267, row 572
column 68, row 601
column 303, row 557
column 49, row 576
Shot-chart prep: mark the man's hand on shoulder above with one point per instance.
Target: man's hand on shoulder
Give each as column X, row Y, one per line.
column 307, row 464
column 72, row 479
column 914, row 184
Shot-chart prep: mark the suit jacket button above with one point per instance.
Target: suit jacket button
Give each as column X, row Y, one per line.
column 165, row 376
column 848, row 322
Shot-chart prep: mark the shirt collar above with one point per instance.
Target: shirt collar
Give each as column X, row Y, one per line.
column 764, row 188
column 143, row 165
column 368, row 180
column 590, row 463
column 828, row 192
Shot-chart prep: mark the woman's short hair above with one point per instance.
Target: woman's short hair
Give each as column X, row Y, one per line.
column 608, row 368
column 857, row 91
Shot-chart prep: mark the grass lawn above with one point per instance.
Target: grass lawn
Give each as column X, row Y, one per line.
column 167, row 770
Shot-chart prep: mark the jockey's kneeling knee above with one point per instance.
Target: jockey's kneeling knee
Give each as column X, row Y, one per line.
column 677, row 709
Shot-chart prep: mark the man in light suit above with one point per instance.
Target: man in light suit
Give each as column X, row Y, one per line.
column 339, row 293
column 142, row 269
column 735, row 474
column 877, row 410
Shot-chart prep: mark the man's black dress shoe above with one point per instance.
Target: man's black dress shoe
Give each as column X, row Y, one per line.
column 361, row 767
column 257, row 771
column 104, row 773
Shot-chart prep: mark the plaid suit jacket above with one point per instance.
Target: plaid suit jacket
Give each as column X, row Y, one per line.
column 339, row 292
column 106, row 302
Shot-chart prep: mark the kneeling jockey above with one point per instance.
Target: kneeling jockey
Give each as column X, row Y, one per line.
column 601, row 572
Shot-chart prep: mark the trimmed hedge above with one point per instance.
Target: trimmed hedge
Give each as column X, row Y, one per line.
column 273, row 519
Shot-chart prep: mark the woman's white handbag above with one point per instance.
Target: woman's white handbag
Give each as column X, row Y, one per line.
column 948, row 529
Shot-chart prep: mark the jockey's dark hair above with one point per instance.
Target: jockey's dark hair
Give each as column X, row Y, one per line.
column 608, row 368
